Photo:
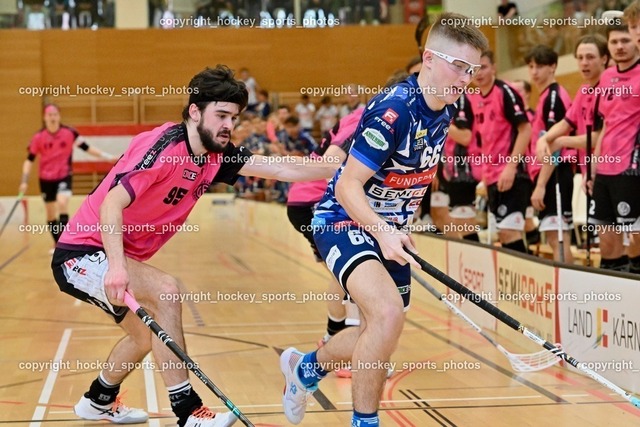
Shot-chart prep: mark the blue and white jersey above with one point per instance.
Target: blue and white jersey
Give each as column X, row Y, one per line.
column 401, row 139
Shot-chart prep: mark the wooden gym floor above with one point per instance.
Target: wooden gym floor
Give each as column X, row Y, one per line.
column 51, row 345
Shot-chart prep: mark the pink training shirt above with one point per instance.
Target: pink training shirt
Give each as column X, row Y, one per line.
column 164, row 179
column 310, row 192
column 497, row 116
column 619, row 104
column 552, row 107
column 55, row 150
column 582, row 113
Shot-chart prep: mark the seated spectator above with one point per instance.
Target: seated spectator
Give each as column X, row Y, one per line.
column 305, row 110
column 507, row 9
column 275, row 123
column 327, row 114
column 369, row 12
column 353, row 100
column 263, row 108
column 257, row 141
column 252, row 87
column 296, row 140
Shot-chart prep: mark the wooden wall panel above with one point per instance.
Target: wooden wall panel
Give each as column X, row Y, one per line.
column 281, row 60
column 20, row 114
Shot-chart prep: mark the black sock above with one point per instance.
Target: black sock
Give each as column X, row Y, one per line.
column 533, row 237
column 473, row 237
column 64, row 220
column 634, row 265
column 334, row 326
column 102, row 393
column 54, row 229
column 615, row 264
column 184, row 400
column 518, row 245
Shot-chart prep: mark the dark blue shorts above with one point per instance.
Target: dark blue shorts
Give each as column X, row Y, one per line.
column 345, row 245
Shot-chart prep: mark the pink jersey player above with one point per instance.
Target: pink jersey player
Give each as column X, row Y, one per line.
column 497, row 116
column 580, row 114
column 55, row 151
column 620, row 107
column 552, row 106
column 162, row 152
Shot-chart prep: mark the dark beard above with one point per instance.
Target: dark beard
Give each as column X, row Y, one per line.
column 209, row 144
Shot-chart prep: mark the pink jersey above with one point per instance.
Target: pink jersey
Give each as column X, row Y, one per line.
column 310, row 192
column 619, row 105
column 55, row 150
column 497, row 116
column 164, row 179
column 463, row 163
column 582, row 113
column 552, row 107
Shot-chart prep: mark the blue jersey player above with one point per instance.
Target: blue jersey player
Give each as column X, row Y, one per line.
column 359, row 221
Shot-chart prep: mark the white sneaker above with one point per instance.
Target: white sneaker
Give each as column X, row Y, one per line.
column 117, row 412
column 204, row 417
column 295, row 394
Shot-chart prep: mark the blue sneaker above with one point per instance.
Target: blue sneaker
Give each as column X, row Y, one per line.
column 295, row 394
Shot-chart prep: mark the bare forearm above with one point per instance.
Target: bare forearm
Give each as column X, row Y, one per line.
column 288, row 168
column 522, row 141
column 544, row 175
column 26, row 170
column 111, row 223
column 460, row 136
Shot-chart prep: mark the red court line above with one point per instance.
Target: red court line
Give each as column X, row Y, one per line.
column 627, row 407
column 11, row 402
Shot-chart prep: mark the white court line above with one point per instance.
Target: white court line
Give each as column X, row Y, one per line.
column 97, row 337
column 265, row 405
column 275, row 332
column 38, row 414
column 150, row 387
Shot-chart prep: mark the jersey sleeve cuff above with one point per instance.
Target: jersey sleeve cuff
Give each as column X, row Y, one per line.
column 364, row 160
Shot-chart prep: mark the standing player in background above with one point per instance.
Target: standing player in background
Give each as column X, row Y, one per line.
column 631, row 17
column 552, row 105
column 452, row 203
column 592, row 56
column 394, row 157
column 133, row 212
column 305, row 110
column 504, row 131
column 55, row 143
column 616, row 165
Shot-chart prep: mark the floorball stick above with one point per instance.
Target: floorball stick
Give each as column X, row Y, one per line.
column 519, row 362
column 13, row 209
column 193, row 367
column 514, row 324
